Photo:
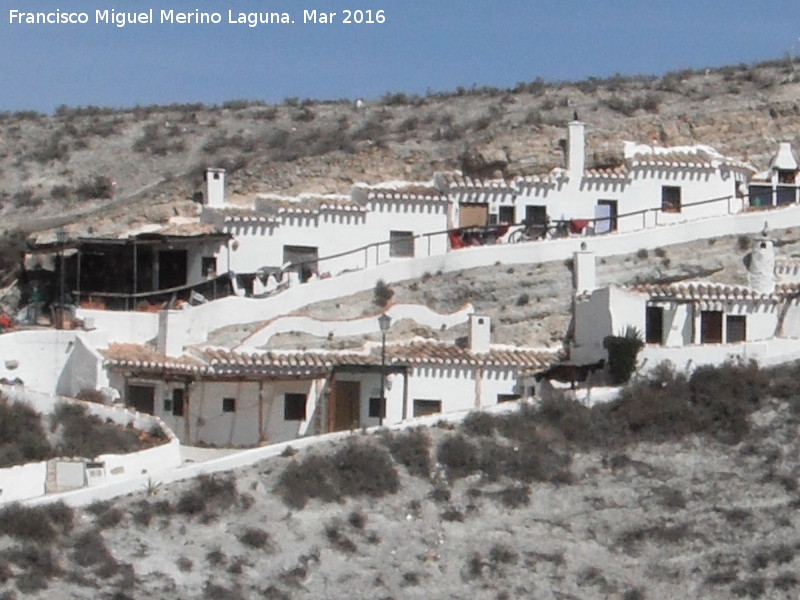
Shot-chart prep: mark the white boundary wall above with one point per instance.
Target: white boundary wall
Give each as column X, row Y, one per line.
column 245, row 458
column 28, row 481
column 234, row 310
column 340, row 328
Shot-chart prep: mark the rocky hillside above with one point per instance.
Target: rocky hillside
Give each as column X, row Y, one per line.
column 150, row 159
column 679, row 489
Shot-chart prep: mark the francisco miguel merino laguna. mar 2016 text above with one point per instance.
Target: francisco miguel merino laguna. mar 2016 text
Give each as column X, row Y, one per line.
column 150, row 16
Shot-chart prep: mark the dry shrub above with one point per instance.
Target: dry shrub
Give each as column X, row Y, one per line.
column 515, row 496
column 255, row 537
column 458, row 455
column 220, row 492
column 452, row 514
column 39, row 524
column 146, row 511
column 412, row 449
column 338, row 539
column 526, row 462
column 90, row 550
column 357, row 519
column 86, row 435
column 365, row 469
column 39, row 563
column 662, row 533
column 22, row 436
column 358, row 468
column 306, row 479
column 478, row 423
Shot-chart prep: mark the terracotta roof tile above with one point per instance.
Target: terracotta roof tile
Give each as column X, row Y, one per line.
column 456, row 179
column 700, row 290
column 223, row 362
column 407, row 193
column 607, row 173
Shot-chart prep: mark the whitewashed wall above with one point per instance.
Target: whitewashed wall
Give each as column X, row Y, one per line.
column 350, row 327
column 334, row 232
column 577, row 197
column 40, row 356
column 22, row 482
column 204, row 421
column 83, row 370
column 233, row 310
column 28, row 481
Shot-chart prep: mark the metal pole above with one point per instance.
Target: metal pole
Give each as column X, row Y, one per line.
column 60, row 320
column 383, row 378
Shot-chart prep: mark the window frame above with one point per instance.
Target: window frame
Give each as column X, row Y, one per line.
column 401, row 244
column 417, row 407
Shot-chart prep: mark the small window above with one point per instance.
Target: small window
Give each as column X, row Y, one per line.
column 671, row 199
column 507, row 398
column 216, row 175
column 294, row 407
column 736, row 326
column 377, row 408
column 209, row 266
column 427, row 407
column 711, row 327
column 506, row 214
column 167, row 405
column 177, row 402
column 401, row 243
column 228, row 405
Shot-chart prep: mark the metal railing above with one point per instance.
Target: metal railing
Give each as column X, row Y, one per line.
column 210, row 289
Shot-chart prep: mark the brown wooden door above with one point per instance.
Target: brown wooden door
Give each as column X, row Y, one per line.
column 346, row 405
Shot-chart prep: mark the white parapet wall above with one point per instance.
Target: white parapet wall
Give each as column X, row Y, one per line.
column 350, row 327
column 28, row 481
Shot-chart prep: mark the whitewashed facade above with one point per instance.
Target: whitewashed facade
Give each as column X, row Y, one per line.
column 227, row 398
column 655, row 185
column 385, row 222
column 698, row 322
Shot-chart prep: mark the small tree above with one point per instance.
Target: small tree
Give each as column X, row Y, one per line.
column 382, row 294
column 622, row 353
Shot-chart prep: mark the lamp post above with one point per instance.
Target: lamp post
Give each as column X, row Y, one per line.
column 61, row 239
column 384, row 322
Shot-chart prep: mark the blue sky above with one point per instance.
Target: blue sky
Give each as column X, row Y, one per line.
column 423, row 45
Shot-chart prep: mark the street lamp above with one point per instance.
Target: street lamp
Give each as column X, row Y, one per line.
column 384, row 322
column 61, row 239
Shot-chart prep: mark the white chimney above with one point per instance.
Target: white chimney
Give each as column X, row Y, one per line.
column 585, row 272
column 215, row 187
column 785, row 159
column 761, row 272
column 480, row 333
column 576, row 150
column 172, row 332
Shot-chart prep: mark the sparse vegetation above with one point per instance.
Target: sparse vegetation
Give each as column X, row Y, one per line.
column 359, row 468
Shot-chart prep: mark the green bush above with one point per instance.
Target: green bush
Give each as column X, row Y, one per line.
column 622, row 353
